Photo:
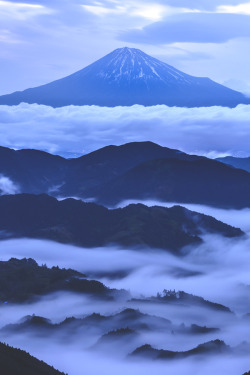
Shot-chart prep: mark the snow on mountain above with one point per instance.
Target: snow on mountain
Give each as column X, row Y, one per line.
column 125, row 77
column 132, row 64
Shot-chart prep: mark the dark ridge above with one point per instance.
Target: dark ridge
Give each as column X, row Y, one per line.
column 35, row 171
column 173, row 297
column 23, row 280
column 201, row 181
column 137, row 170
column 18, row 362
column 89, row 225
column 240, row 163
column 211, row 347
column 127, row 321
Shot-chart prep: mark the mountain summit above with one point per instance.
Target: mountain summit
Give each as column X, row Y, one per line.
column 125, row 77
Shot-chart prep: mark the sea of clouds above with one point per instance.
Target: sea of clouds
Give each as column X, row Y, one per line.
column 217, row 269
column 72, row 131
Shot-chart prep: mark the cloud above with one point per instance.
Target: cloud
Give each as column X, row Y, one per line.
column 77, row 130
column 217, row 270
column 21, row 11
column 192, row 28
column 150, row 11
column 7, row 186
column 205, row 5
column 243, row 8
column 220, row 263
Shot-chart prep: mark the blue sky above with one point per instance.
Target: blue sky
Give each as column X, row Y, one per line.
column 45, row 40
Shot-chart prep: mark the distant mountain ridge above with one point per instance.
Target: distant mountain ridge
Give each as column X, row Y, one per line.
column 133, row 171
column 240, row 163
column 211, row 347
column 125, row 77
column 39, row 172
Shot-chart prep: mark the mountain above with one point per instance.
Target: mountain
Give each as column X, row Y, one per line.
column 126, row 77
column 131, row 318
column 240, row 163
column 181, row 298
column 18, row 362
column 208, row 348
column 89, row 225
column 137, row 170
column 101, row 324
column 37, row 172
column 23, row 280
column 201, row 181
column 32, row 171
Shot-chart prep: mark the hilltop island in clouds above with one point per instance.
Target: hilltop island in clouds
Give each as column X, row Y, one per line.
column 125, row 77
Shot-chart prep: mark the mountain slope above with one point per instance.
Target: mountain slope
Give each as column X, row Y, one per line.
column 125, row 77
column 24, row 280
column 201, row 181
column 138, row 170
column 18, row 362
column 90, row 225
column 38, row 172
column 208, row 348
column 240, row 163
column 32, row 171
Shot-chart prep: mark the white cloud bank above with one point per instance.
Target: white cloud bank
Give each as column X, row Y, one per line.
column 208, row 131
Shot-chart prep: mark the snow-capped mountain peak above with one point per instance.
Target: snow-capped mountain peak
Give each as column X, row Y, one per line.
column 132, row 64
column 125, row 77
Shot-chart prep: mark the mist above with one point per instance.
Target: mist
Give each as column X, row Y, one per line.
column 73, row 131
column 216, row 270
column 7, row 186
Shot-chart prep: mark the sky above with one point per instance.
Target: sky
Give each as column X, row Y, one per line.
column 43, row 40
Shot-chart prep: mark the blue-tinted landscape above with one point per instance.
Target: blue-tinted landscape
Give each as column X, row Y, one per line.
column 124, row 187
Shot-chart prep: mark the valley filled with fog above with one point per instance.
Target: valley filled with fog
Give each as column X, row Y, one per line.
column 128, row 259
column 216, row 270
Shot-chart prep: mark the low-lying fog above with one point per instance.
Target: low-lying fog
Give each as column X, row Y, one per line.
column 217, row 270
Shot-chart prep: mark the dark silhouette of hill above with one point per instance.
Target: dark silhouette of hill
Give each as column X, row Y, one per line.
column 87, row 224
column 202, row 181
column 140, row 170
column 212, row 347
column 23, row 280
column 182, row 298
column 133, row 319
column 18, row 362
column 40, row 172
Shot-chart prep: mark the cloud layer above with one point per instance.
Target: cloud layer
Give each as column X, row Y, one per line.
column 73, row 130
column 217, row 270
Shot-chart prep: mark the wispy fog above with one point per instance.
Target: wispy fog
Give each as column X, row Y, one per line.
column 7, row 186
column 76, row 130
column 217, row 270
column 221, row 263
